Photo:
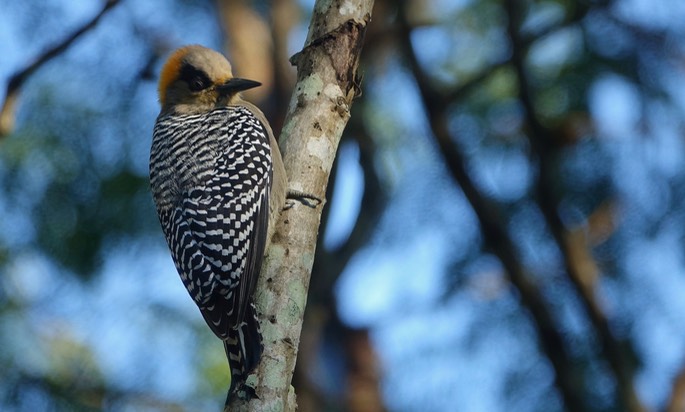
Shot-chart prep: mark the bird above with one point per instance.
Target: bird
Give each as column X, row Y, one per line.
column 218, row 184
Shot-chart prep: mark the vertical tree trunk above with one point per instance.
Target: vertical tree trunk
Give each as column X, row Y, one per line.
column 318, row 112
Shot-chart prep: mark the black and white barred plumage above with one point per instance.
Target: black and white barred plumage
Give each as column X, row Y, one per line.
column 211, row 176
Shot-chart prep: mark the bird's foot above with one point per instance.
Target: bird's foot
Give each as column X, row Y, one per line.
column 301, row 197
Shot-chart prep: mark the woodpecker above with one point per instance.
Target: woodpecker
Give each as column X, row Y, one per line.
column 218, row 184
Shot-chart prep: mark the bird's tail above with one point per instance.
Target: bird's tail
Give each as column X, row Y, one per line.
column 244, row 349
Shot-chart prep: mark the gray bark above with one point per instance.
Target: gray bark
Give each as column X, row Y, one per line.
column 318, row 112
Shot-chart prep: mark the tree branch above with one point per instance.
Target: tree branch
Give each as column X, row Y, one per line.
column 16, row 81
column 496, row 237
column 285, row 15
column 579, row 264
column 249, row 43
column 319, row 110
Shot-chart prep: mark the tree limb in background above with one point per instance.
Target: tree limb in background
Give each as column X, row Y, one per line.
column 363, row 372
column 249, row 45
column 578, row 261
column 285, row 15
column 677, row 401
column 16, row 81
column 496, row 237
column 319, row 110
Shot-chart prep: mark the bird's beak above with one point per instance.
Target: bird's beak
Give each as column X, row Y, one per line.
column 236, row 85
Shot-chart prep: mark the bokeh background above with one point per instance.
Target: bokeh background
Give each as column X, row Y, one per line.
column 504, row 230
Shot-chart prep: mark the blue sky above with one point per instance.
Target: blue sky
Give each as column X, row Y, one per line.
column 395, row 285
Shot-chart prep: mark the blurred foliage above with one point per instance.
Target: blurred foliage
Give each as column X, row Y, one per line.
column 91, row 313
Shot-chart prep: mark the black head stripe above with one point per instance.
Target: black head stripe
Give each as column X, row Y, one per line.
column 197, row 79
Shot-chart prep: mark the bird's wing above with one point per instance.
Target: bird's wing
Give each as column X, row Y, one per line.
column 187, row 236
column 254, row 255
column 219, row 226
column 257, row 173
column 235, row 219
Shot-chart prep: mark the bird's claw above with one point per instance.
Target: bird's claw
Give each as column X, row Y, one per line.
column 301, row 197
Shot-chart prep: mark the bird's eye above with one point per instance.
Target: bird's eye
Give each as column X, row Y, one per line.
column 195, row 79
column 198, row 84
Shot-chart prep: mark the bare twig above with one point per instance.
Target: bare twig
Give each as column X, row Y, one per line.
column 7, row 113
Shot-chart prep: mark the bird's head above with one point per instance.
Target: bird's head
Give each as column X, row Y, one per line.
column 196, row 79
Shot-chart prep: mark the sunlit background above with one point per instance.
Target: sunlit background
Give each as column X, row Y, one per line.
column 567, row 118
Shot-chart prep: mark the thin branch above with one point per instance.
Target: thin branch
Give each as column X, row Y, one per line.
column 497, row 238
column 578, row 261
column 16, row 81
